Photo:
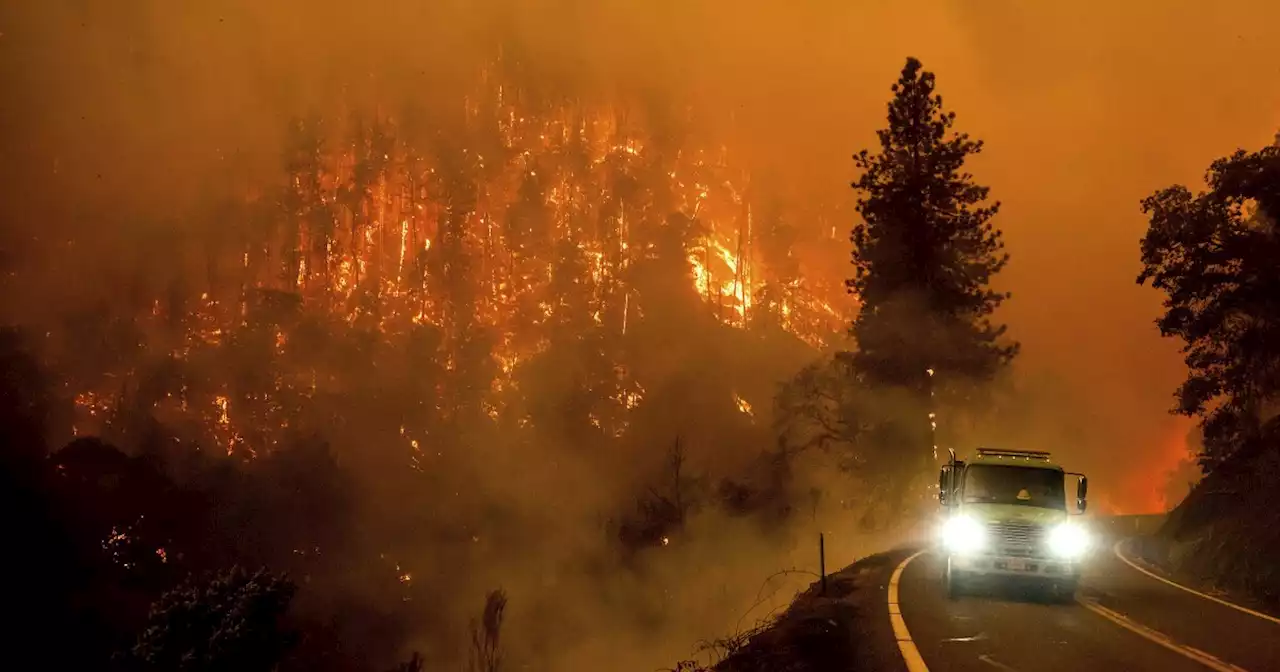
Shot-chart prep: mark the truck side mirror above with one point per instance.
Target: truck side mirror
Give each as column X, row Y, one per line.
column 1082, row 493
column 942, row 486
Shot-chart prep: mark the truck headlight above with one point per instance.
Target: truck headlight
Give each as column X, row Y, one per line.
column 962, row 534
column 1068, row 540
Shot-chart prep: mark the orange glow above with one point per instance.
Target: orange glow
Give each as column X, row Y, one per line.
column 1172, row 457
column 1146, row 490
column 743, row 405
column 362, row 238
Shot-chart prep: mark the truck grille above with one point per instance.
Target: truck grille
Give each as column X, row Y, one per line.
column 1024, row 537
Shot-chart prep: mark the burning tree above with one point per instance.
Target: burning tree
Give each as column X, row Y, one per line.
column 532, row 282
column 451, row 259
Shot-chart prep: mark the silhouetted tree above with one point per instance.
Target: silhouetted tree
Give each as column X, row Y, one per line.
column 527, row 232
column 303, row 208
column 231, row 622
column 124, row 508
column 818, row 409
column 304, row 504
column 924, row 255
column 453, row 267
column 1214, row 255
column 663, row 510
column 775, row 300
column 661, row 274
column 571, row 381
column 486, row 654
column 51, row 572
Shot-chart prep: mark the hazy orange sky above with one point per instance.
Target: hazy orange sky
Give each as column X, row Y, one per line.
column 1085, row 107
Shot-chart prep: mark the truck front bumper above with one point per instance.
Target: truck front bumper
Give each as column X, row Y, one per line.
column 1012, row 566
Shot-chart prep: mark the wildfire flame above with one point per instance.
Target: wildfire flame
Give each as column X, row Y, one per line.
column 743, row 405
column 370, row 228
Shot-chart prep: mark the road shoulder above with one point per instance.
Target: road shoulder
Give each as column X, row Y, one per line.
column 846, row 630
column 1220, row 630
column 1151, row 553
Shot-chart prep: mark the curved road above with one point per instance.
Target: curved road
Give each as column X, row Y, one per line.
column 1123, row 619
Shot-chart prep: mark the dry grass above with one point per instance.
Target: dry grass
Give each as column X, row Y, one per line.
column 816, row 632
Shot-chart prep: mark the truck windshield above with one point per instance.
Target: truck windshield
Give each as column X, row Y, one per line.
column 1026, row 486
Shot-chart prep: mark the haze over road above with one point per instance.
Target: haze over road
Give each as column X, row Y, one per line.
column 1123, row 619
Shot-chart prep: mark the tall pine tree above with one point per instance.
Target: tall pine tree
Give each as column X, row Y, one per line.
column 924, row 255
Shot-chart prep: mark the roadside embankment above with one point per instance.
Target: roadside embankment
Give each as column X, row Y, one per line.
column 844, row 630
column 1225, row 536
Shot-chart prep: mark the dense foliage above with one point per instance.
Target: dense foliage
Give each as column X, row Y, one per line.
column 229, row 622
column 1214, row 255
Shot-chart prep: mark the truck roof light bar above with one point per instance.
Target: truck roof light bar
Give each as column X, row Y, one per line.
column 1038, row 455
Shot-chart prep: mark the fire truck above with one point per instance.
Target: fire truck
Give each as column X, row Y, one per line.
column 1006, row 517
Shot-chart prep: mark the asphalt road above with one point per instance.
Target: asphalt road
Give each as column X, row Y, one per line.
column 1123, row 619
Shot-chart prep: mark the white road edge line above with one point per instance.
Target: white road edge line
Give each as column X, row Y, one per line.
column 986, row 658
column 910, row 654
column 1123, row 621
column 1116, row 549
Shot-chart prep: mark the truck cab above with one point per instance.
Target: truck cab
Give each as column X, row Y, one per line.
column 1006, row 517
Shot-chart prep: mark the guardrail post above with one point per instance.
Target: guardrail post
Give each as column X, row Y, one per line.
column 822, row 562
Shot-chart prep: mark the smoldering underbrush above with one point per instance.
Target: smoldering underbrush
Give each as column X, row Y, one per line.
column 702, row 536
column 640, row 566
column 683, row 565
column 701, row 521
